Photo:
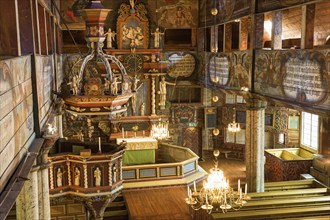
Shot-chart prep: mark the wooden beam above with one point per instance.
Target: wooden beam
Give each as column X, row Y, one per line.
column 228, row 32
column 214, row 39
column 258, row 27
column 244, row 33
column 276, row 30
column 307, row 26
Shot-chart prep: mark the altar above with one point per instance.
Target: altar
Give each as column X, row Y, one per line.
column 139, row 150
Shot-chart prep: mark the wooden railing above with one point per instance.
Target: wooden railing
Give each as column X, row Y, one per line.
column 177, row 162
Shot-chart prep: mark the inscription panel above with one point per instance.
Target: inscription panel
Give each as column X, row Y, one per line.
column 181, row 65
column 303, row 80
column 300, row 76
column 219, row 68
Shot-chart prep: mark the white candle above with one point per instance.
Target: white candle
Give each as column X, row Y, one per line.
column 188, row 191
column 195, row 186
column 99, row 144
column 245, row 188
column 144, row 133
column 122, row 132
column 239, row 184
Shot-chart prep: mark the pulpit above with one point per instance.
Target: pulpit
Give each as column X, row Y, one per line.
column 139, row 150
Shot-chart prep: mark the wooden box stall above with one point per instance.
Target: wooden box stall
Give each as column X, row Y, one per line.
column 321, row 169
column 286, row 164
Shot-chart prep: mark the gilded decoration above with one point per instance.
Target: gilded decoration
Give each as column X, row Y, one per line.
column 139, row 143
column 132, row 27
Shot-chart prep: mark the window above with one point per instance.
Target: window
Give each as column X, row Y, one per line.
column 233, row 99
column 310, row 130
column 238, row 137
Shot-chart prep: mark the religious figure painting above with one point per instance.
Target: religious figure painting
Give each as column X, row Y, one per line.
column 133, row 35
column 132, row 27
column 70, row 11
column 177, row 14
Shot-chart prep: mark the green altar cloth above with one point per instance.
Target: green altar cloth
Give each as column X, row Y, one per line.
column 135, row 157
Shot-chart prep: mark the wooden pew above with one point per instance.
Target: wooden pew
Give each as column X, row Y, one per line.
column 295, row 184
column 301, row 198
column 275, row 213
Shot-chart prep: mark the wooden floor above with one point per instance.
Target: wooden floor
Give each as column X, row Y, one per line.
column 168, row 203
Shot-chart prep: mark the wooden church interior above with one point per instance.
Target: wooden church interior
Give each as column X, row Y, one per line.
column 164, row 109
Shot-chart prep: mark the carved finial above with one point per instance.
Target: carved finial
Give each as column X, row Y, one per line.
column 132, row 3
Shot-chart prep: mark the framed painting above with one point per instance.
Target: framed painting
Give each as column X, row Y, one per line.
column 269, row 120
column 132, row 28
column 210, row 117
column 293, row 123
column 241, row 117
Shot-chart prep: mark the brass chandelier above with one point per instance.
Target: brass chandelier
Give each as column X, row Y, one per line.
column 234, row 126
column 216, row 194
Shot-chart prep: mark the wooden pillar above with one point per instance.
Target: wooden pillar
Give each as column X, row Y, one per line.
column 201, row 39
column 258, row 27
column 254, row 144
column 193, row 37
column 244, row 33
column 27, row 204
column 228, row 32
column 214, row 39
column 307, row 26
column 325, row 136
column 277, row 30
column 153, row 96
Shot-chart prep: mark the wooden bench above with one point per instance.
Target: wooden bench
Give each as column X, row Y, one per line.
column 275, row 213
column 293, row 184
column 301, row 198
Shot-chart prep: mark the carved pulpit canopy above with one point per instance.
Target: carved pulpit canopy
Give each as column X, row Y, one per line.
column 132, row 27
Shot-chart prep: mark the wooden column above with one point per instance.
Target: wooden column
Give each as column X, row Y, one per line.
column 27, row 206
column 277, row 30
column 214, row 39
column 153, row 96
column 228, row 37
column 244, row 33
column 254, row 144
column 307, row 26
column 258, row 27
column 325, row 136
column 201, row 39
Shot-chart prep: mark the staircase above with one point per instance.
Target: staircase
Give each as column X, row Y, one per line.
column 116, row 210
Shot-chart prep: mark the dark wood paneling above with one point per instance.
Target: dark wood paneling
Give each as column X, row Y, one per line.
column 50, row 33
column 8, row 34
column 42, row 30
column 25, row 27
column 193, row 139
column 35, row 26
column 59, row 41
